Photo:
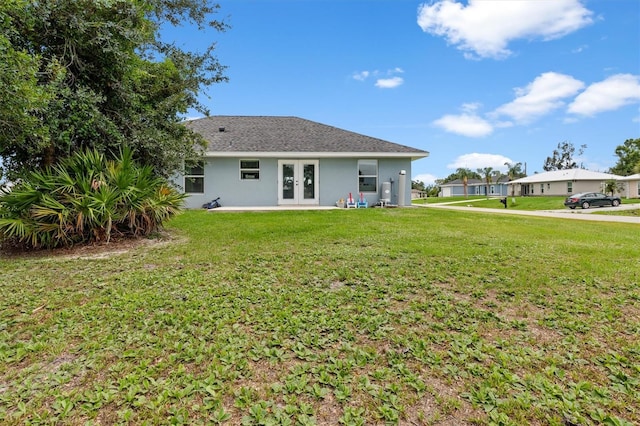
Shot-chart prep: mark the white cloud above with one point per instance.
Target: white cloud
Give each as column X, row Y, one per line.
column 610, row 94
column 540, row 97
column 471, row 107
column 548, row 92
column 580, row 49
column 465, row 124
column 389, row 83
column 426, row 178
column 486, row 27
column 476, row 161
column 361, row 76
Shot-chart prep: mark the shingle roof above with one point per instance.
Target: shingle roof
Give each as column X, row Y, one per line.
column 268, row 134
column 566, row 175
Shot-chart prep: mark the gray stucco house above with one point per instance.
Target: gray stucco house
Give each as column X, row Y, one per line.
column 271, row 161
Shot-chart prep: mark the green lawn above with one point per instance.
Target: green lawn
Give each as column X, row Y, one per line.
column 376, row 316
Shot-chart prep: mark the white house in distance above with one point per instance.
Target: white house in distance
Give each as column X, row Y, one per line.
column 561, row 182
column 271, row 161
column 631, row 186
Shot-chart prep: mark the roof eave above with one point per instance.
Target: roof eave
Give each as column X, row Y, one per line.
column 284, row 154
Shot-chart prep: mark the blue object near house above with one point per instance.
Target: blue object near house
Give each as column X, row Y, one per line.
column 362, row 202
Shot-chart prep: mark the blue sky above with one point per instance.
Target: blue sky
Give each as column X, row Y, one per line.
column 476, row 83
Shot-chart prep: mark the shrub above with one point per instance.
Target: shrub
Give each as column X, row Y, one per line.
column 86, row 198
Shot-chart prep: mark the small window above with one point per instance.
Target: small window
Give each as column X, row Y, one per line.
column 249, row 169
column 569, row 187
column 194, row 179
column 542, row 188
column 367, row 175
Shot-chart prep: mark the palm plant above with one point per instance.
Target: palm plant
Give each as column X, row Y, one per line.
column 487, row 173
column 464, row 173
column 86, row 198
column 514, row 171
column 612, row 186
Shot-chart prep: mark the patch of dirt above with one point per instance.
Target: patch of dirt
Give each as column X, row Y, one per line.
column 99, row 250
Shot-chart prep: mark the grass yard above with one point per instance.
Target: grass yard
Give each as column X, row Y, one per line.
column 353, row 317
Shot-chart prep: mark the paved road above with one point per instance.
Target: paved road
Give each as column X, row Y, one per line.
column 577, row 214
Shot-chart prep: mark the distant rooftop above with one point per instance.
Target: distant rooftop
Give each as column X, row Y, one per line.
column 566, row 175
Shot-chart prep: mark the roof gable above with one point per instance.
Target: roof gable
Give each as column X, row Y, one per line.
column 267, row 134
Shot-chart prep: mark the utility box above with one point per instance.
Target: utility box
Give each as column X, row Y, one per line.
column 385, row 193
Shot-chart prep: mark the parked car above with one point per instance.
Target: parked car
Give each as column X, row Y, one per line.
column 588, row 199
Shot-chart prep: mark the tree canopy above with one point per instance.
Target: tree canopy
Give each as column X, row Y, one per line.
column 86, row 74
column 628, row 158
column 562, row 157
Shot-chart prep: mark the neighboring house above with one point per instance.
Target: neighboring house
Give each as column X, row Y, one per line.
column 270, row 161
column 475, row 187
column 417, row 194
column 631, row 186
column 561, row 182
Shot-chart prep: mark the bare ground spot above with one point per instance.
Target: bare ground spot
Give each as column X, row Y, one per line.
column 99, row 250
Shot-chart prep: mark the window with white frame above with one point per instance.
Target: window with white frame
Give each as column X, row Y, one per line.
column 249, row 169
column 194, row 178
column 367, row 175
column 569, row 187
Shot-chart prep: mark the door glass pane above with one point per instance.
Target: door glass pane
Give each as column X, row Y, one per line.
column 287, row 181
column 309, row 181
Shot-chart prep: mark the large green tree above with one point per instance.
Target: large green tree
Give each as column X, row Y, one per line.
column 86, row 74
column 628, row 158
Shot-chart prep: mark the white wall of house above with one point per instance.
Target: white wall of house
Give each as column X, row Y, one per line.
column 559, row 188
column 631, row 186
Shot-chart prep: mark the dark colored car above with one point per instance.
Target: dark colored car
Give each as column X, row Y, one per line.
column 588, row 199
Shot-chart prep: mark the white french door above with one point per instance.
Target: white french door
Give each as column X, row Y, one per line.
column 298, row 182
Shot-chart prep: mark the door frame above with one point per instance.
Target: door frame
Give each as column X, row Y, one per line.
column 298, row 193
